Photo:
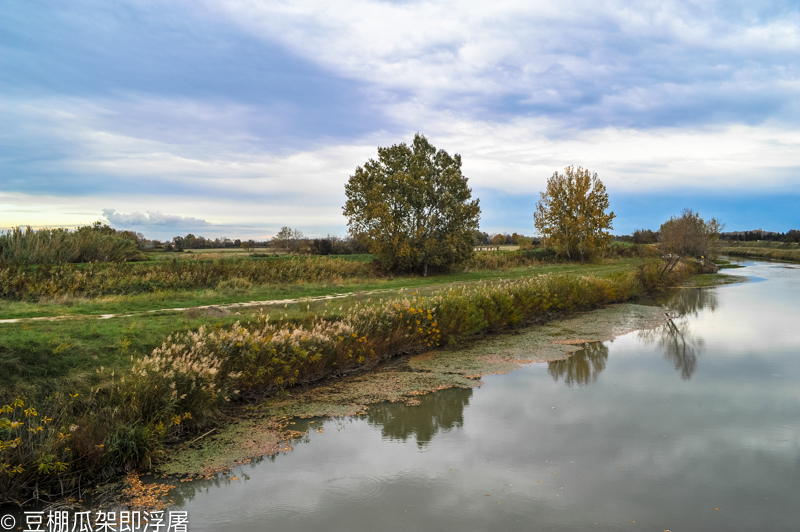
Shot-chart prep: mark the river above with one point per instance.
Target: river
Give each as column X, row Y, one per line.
column 691, row 426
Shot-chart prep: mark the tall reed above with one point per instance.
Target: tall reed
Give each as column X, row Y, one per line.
column 97, row 279
column 51, row 246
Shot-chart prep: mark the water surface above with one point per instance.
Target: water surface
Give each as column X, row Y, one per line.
column 692, row 426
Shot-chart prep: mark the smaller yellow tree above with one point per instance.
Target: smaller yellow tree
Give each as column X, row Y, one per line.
column 571, row 213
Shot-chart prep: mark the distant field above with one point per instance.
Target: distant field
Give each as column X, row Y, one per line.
column 237, row 253
column 761, row 249
column 212, row 253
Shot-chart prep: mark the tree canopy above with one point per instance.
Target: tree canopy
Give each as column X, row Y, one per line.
column 287, row 236
column 689, row 235
column 571, row 213
column 412, row 207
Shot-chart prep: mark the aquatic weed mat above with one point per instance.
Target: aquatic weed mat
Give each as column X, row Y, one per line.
column 710, row 280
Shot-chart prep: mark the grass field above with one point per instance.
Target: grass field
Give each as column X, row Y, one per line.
column 761, row 249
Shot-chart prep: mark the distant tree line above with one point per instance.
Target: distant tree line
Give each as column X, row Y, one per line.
column 482, row 238
column 793, row 235
column 190, row 241
column 648, row 236
column 640, row 236
column 287, row 240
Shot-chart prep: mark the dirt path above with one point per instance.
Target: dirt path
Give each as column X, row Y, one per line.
column 230, row 307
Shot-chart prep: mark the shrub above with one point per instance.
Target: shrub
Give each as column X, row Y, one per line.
column 33, row 444
column 268, row 356
column 655, row 275
column 626, row 250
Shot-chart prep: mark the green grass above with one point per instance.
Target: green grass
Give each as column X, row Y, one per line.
column 33, row 353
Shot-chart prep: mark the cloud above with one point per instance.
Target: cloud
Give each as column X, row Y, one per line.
column 611, row 63
column 152, row 219
column 507, row 155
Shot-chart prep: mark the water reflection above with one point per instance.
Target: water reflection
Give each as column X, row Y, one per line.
column 442, row 410
column 689, row 301
column 678, row 344
column 582, row 367
column 675, row 340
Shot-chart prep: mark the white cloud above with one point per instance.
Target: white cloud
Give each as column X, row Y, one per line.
column 134, row 219
column 510, row 46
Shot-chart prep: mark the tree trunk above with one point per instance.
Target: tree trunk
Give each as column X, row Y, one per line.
column 425, row 268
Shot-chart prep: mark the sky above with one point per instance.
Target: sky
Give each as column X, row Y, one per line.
column 237, row 117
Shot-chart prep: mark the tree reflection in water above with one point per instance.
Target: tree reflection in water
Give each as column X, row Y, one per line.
column 676, row 341
column 677, row 344
column 442, row 410
column 689, row 301
column 582, row 367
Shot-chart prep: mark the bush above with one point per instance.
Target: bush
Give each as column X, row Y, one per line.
column 33, row 444
column 655, row 275
column 268, row 356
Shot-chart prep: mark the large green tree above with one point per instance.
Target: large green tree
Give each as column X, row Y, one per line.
column 412, row 207
column 571, row 213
